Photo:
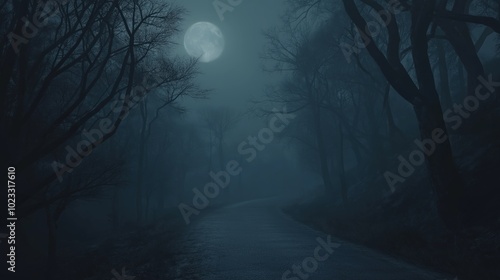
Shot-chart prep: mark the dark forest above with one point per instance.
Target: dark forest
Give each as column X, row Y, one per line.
column 250, row 139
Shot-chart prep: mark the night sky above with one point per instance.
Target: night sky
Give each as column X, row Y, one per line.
column 237, row 76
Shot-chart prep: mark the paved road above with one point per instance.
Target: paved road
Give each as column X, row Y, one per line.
column 255, row 241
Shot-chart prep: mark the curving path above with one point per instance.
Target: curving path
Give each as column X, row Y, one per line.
column 255, row 240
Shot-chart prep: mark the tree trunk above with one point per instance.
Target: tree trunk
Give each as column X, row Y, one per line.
column 146, row 206
column 461, row 79
column 140, row 168
column 458, row 34
column 424, row 98
column 444, row 82
column 161, row 197
column 442, row 169
column 221, row 153
column 9, row 59
column 210, row 151
column 378, row 159
column 52, row 243
column 342, row 177
column 396, row 136
column 323, row 158
column 114, row 209
column 444, row 174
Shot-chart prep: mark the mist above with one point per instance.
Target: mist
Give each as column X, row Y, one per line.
column 234, row 139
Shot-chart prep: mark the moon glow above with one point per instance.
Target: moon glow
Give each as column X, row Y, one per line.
column 205, row 41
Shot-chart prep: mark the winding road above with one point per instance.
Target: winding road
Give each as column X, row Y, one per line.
column 254, row 240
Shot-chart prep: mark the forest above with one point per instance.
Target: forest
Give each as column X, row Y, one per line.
column 159, row 139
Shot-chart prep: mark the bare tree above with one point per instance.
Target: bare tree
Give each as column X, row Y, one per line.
column 423, row 94
column 219, row 122
column 80, row 69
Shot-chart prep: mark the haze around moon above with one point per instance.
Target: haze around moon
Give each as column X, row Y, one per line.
column 205, row 41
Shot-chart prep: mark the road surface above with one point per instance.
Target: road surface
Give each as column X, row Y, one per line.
column 255, row 240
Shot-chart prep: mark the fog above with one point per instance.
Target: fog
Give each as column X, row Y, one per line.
column 286, row 139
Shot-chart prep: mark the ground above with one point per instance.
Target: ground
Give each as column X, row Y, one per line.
column 250, row 240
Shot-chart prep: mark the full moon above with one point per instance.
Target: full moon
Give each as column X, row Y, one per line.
column 205, row 41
